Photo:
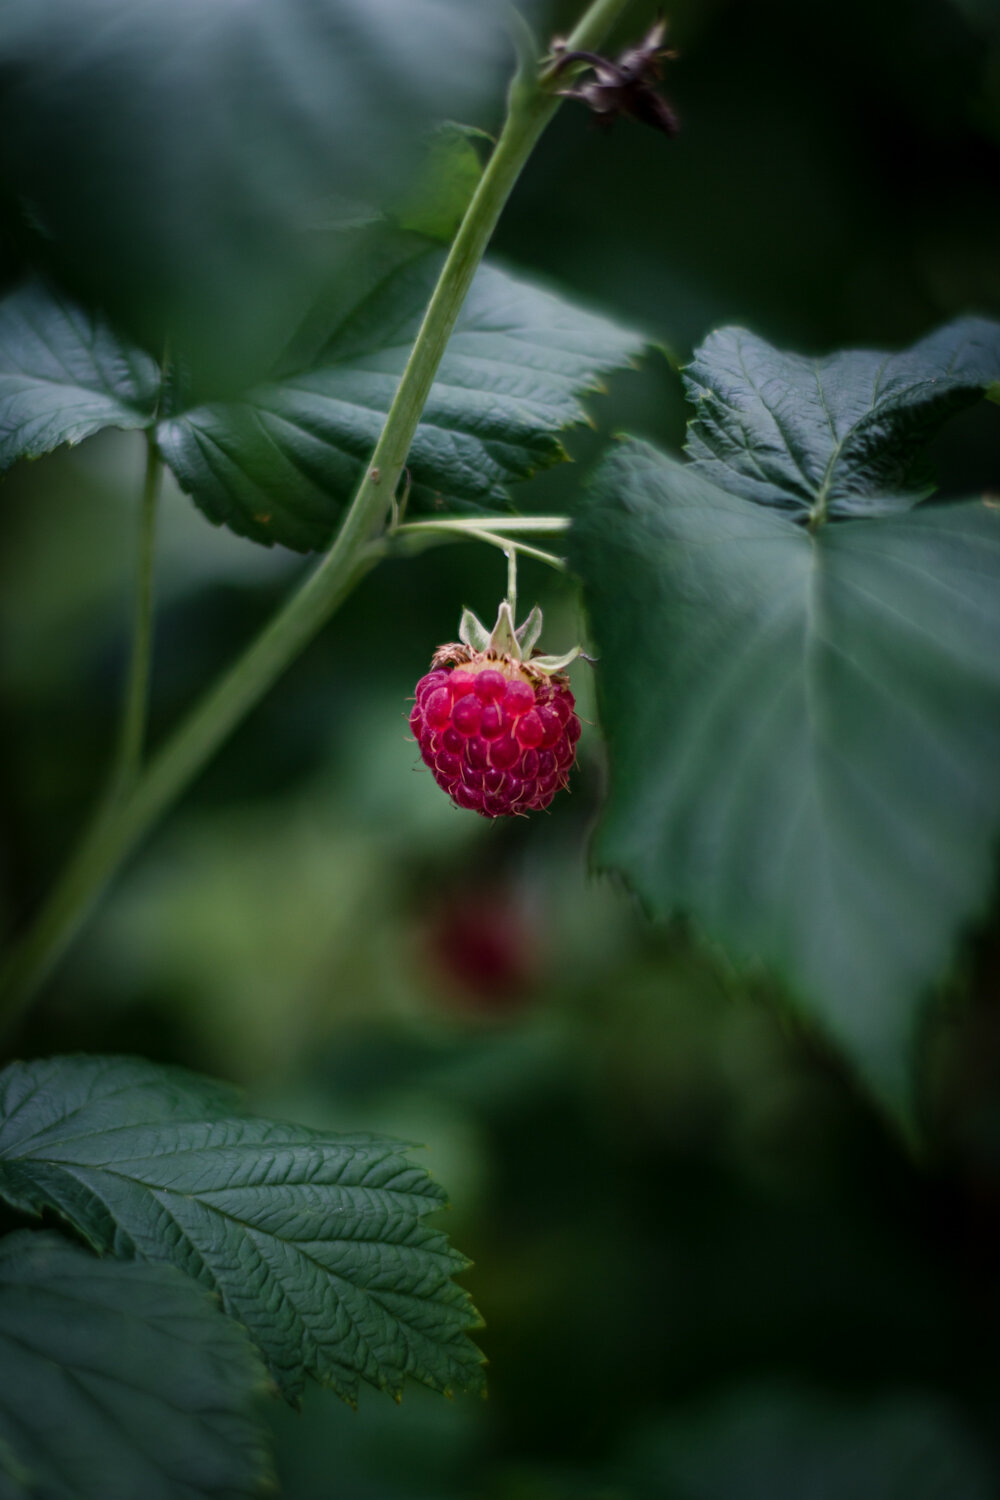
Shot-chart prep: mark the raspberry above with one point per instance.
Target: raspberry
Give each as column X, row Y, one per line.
column 499, row 733
column 485, row 949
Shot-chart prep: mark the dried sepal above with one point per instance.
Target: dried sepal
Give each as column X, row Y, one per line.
column 453, row 653
column 624, row 87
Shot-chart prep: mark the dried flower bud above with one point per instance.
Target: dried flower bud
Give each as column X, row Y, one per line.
column 625, row 87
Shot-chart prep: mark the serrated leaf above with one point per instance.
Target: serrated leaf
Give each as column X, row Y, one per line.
column 830, row 437
column 64, row 375
column 315, row 1242
column 120, row 1380
column 804, row 733
column 180, row 163
column 281, row 464
column 52, row 1090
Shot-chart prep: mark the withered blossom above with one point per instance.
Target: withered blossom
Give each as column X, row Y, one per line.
column 625, row 87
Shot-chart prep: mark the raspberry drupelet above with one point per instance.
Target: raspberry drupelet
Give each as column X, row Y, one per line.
column 498, row 732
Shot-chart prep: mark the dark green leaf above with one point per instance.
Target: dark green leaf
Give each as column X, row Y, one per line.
column 831, row 437
column 281, row 464
column 804, row 732
column 119, row 1381
column 182, row 162
column 770, row 1443
column 315, row 1242
column 65, row 375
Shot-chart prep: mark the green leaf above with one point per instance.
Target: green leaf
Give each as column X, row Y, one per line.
column 435, row 202
column 182, row 163
column 830, row 437
column 65, row 375
column 787, row 1443
column 804, row 733
column 281, row 464
column 119, row 1380
column 315, row 1242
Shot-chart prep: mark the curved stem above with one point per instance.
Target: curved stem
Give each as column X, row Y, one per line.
column 117, row 830
column 532, row 105
column 136, row 704
column 499, row 525
column 122, row 825
column 591, row 29
column 497, row 531
column 511, row 557
column 511, row 547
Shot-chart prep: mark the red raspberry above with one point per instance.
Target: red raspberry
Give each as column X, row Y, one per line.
column 499, row 735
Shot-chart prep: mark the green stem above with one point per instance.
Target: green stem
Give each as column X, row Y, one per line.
column 136, row 710
column 498, row 524
column 511, row 546
column 511, row 556
column 594, row 25
column 497, row 531
column 121, row 827
column 532, row 105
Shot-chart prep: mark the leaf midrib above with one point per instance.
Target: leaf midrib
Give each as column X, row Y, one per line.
column 422, row 1205
column 444, row 1261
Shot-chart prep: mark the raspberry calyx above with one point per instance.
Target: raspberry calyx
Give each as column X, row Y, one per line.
column 496, row 724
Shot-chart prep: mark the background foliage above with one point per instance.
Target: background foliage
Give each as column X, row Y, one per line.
column 707, row 1269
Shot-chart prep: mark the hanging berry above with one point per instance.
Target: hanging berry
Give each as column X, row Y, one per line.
column 496, row 724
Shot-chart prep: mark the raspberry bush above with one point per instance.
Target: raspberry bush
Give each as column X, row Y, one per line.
column 798, row 688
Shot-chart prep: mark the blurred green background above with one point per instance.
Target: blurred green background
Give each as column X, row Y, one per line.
column 708, row 1270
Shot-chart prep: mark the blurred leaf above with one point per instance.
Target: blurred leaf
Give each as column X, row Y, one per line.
column 804, row 733
column 65, row 375
column 436, row 200
column 314, row 1242
column 979, row 13
column 119, row 1380
column 180, row 164
column 281, row 464
column 838, row 436
column 775, row 1444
